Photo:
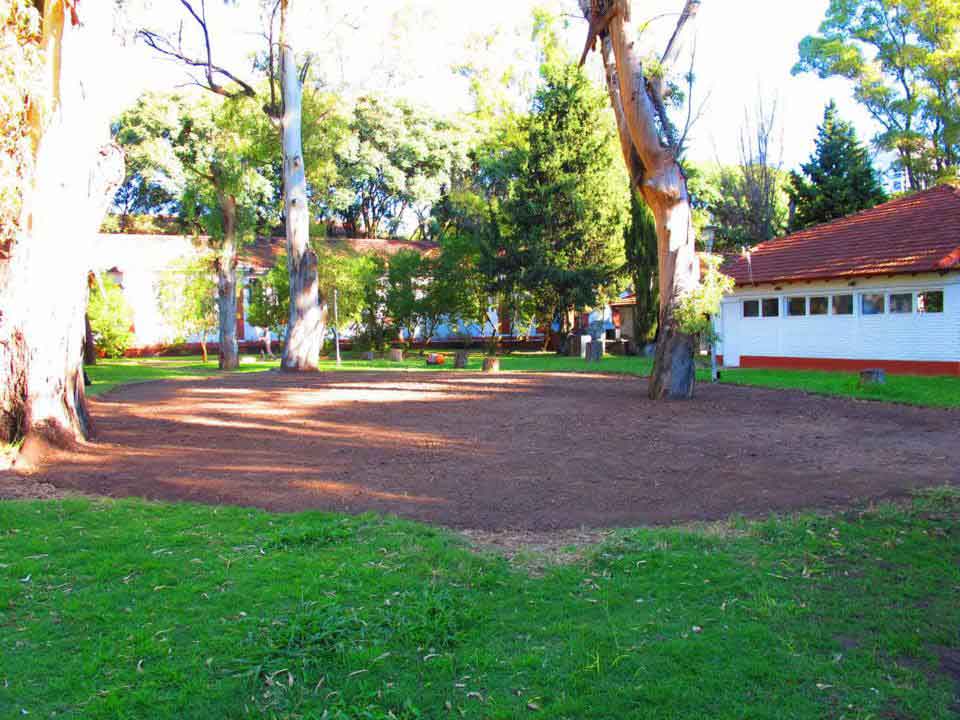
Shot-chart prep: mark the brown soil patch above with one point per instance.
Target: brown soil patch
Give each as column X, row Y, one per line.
column 528, row 452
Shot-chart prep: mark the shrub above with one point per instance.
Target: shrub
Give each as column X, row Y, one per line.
column 111, row 318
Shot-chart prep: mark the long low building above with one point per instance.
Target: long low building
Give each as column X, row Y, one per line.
column 878, row 289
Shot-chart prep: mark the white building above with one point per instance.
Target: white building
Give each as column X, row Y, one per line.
column 878, row 289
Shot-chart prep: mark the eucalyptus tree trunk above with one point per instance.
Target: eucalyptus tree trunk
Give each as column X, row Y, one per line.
column 651, row 157
column 226, row 265
column 307, row 324
column 43, row 297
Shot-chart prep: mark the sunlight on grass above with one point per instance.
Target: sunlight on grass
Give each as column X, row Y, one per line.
column 909, row 389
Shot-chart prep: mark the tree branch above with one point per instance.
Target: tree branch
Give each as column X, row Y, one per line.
column 165, row 46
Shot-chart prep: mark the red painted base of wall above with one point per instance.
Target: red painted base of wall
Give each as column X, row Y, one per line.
column 902, row 367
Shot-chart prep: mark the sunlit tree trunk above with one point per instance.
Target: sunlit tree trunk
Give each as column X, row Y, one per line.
column 43, row 301
column 307, row 324
column 227, row 285
column 656, row 174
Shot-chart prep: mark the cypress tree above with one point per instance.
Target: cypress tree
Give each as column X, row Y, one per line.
column 640, row 244
column 838, row 180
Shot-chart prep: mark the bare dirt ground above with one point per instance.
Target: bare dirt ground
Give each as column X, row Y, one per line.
column 523, row 452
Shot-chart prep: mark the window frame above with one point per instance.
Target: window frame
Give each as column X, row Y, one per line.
column 743, row 309
column 883, row 299
column 787, row 300
column 764, row 301
column 833, row 305
column 891, row 295
column 943, row 302
column 825, row 298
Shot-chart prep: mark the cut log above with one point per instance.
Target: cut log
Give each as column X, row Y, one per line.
column 491, row 364
column 368, row 356
column 395, row 355
column 461, row 360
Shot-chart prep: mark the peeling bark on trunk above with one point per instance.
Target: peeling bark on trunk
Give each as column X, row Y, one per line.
column 307, row 324
column 227, row 285
column 656, row 174
column 44, row 297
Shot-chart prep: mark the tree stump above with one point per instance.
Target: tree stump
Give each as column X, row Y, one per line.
column 368, row 355
column 491, row 364
column 873, row 376
column 461, row 359
column 436, row 359
column 395, row 355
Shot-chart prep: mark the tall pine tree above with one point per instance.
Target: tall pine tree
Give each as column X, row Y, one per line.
column 839, row 179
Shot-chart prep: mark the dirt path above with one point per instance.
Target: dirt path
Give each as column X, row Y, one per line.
column 517, row 451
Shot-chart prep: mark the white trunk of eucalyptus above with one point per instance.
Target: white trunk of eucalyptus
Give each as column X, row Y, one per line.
column 76, row 173
column 306, row 326
column 656, row 173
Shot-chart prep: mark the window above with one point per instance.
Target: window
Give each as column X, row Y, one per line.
column 872, row 303
column 771, row 307
column 930, row 301
column 901, row 303
column 843, row 304
column 819, row 305
column 751, row 308
column 796, row 306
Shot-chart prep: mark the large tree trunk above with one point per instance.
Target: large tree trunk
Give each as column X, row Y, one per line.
column 89, row 344
column 656, row 174
column 227, row 285
column 43, row 297
column 307, row 324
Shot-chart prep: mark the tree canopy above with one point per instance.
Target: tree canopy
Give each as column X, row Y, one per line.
column 901, row 56
column 839, row 178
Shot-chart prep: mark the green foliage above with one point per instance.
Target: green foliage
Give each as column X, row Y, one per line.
column 375, row 332
column 202, row 148
column 269, row 305
column 396, row 158
column 839, row 179
column 568, row 207
column 188, row 611
column 187, row 291
column 346, row 272
column 640, row 244
column 694, row 309
column 21, row 87
column 110, row 318
column 405, row 285
column 746, row 204
column 901, row 56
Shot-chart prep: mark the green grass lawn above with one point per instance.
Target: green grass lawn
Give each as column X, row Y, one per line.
column 127, row 609
column 909, row 389
column 107, row 374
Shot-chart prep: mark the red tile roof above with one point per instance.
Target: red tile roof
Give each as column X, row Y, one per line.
column 917, row 233
column 263, row 254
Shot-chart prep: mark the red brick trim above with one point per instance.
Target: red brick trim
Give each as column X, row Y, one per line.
column 902, row 367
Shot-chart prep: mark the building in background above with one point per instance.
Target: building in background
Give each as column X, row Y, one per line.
column 878, row 289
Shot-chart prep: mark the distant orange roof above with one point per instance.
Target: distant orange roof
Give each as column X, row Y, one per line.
column 917, row 233
column 263, row 254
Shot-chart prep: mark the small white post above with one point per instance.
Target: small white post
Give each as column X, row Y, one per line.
column 336, row 326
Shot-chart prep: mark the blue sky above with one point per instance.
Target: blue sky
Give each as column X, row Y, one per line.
column 745, row 51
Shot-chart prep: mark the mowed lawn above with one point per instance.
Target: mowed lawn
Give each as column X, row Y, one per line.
column 908, row 389
column 128, row 609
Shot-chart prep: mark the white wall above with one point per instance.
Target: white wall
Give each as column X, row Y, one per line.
column 141, row 259
column 890, row 336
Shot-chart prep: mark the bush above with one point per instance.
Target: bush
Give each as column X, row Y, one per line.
column 111, row 318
